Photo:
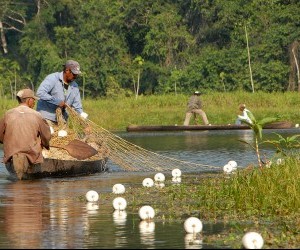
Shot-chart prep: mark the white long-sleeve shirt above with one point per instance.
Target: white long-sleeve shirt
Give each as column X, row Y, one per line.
column 244, row 116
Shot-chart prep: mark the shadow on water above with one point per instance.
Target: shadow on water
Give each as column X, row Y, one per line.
column 53, row 213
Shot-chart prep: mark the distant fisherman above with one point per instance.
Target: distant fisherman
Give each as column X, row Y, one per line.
column 194, row 106
column 244, row 116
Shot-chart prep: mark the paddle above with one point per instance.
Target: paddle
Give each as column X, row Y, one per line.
column 78, row 149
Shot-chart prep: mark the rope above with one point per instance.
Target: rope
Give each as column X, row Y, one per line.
column 124, row 153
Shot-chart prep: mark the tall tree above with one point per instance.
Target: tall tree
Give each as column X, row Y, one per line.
column 12, row 18
column 167, row 39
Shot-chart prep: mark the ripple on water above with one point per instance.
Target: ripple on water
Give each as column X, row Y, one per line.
column 53, row 213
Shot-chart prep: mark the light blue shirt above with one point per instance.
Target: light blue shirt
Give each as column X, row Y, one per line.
column 51, row 92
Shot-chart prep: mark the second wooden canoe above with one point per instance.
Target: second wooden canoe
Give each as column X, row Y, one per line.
column 144, row 128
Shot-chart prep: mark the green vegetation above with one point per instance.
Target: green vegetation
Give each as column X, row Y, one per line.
column 152, row 47
column 267, row 194
column 257, row 127
column 221, row 108
column 115, row 114
column 285, row 146
column 265, row 201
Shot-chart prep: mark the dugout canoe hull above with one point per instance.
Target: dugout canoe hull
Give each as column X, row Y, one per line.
column 145, row 128
column 60, row 168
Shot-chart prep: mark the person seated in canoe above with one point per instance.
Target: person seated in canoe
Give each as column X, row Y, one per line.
column 244, row 115
column 24, row 133
column 58, row 90
column 194, row 107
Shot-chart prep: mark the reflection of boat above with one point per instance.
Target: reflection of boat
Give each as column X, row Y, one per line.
column 44, row 214
column 24, row 215
column 61, row 168
column 144, row 128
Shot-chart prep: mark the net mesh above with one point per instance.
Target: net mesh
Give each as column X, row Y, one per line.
column 58, row 143
column 125, row 154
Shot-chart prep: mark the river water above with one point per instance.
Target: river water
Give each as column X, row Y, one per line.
column 49, row 213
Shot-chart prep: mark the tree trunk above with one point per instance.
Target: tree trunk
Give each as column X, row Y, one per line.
column 15, row 92
column 297, row 67
column 250, row 70
column 3, row 39
column 257, row 152
column 294, row 75
column 138, row 85
column 11, row 90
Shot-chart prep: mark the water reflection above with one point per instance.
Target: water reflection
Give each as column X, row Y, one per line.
column 176, row 180
column 53, row 213
column 69, row 220
column 92, row 208
column 24, row 213
column 193, row 241
column 119, row 217
column 159, row 185
column 147, row 235
column 37, row 215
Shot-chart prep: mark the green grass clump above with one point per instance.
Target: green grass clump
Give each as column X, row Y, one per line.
column 267, row 192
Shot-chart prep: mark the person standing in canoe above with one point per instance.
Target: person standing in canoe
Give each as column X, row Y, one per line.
column 194, row 107
column 24, row 133
column 58, row 90
column 244, row 115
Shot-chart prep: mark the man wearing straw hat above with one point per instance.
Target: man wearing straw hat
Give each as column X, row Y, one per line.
column 58, row 90
column 24, row 133
column 194, row 107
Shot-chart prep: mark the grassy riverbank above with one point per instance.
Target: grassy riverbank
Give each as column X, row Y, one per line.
column 221, row 108
column 266, row 201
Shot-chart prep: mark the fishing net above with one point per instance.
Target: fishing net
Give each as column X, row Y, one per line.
column 127, row 155
column 58, row 143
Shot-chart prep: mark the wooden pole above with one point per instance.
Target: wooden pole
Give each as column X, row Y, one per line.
column 251, row 79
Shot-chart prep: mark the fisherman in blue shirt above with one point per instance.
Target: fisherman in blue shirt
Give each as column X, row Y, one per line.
column 58, row 90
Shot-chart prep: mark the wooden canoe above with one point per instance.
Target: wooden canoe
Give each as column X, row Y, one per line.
column 60, row 168
column 144, row 128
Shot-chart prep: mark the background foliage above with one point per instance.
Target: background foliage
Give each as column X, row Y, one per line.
column 184, row 45
column 115, row 114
